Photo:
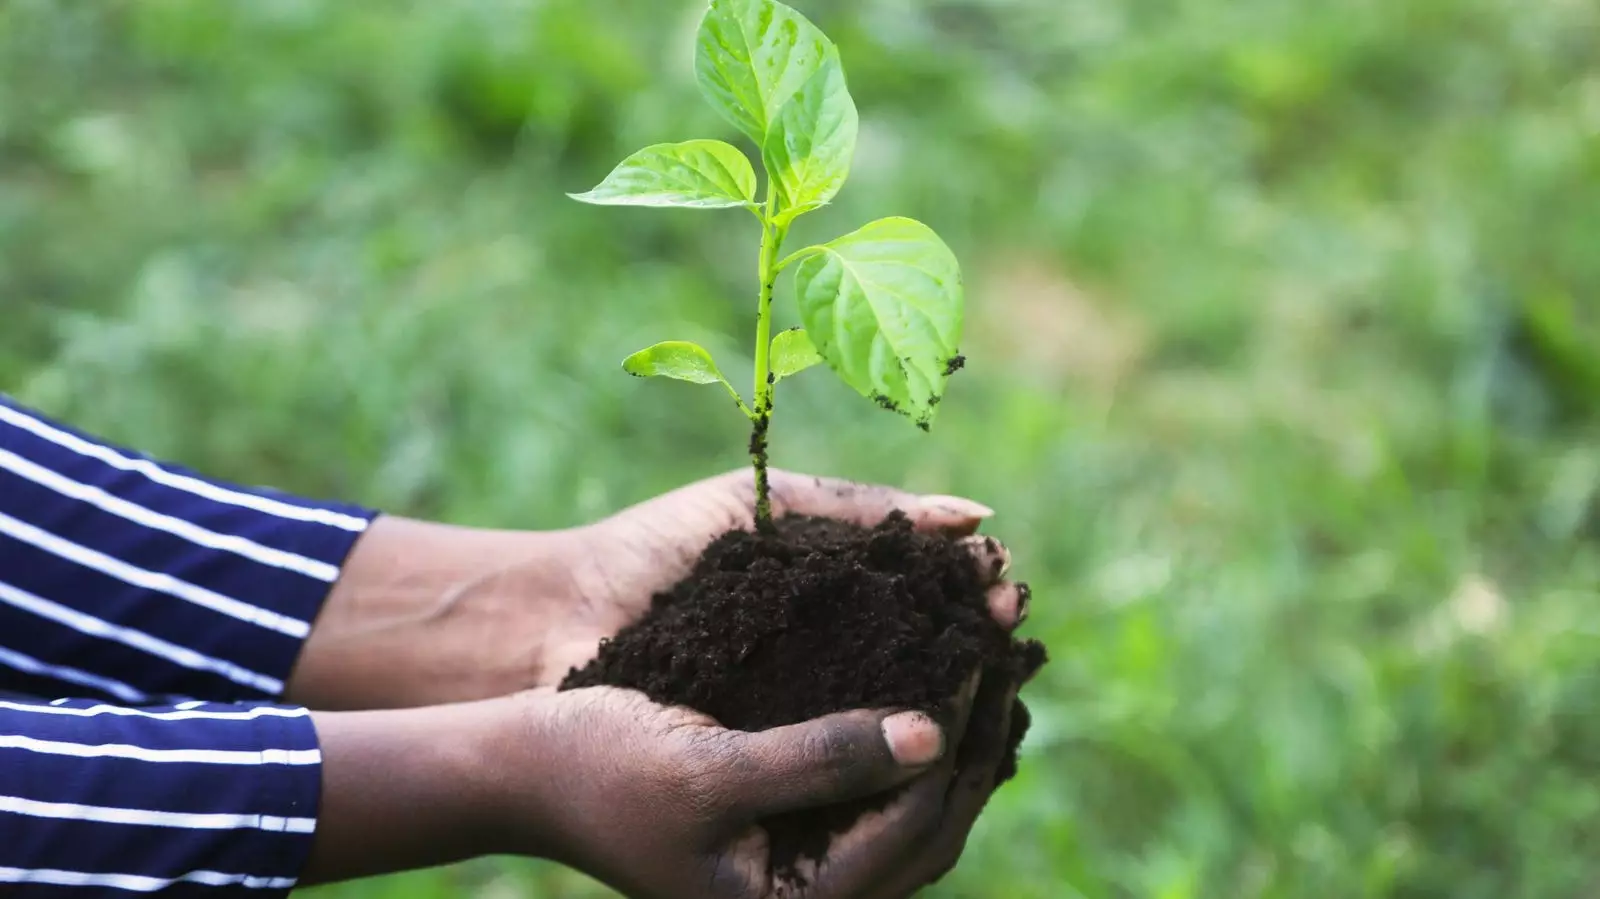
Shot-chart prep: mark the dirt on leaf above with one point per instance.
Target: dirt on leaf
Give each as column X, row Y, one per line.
column 816, row 617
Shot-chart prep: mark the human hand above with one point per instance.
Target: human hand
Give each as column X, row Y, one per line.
column 659, row 802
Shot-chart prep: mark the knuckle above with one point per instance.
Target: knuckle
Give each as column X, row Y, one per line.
column 831, row 745
column 709, row 777
column 835, row 750
column 860, row 492
column 707, row 749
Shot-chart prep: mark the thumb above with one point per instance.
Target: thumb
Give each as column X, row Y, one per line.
column 868, row 504
column 833, row 759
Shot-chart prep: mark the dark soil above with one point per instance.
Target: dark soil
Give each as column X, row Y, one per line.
column 818, row 617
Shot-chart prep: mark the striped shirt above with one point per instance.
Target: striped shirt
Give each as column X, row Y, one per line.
column 168, row 610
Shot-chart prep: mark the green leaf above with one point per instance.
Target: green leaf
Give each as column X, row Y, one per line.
column 884, row 307
column 751, row 56
column 792, row 353
column 702, row 174
column 676, row 359
column 682, row 361
column 810, row 145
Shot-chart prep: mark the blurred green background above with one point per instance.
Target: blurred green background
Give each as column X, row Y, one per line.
column 1284, row 364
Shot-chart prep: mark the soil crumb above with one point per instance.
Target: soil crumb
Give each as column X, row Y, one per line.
column 817, row 617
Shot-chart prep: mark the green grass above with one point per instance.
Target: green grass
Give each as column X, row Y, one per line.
column 1283, row 342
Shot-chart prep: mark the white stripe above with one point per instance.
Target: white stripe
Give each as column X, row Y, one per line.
column 185, row 483
column 186, row 820
column 190, row 531
column 185, row 715
column 138, row 883
column 178, row 655
column 151, row 580
column 167, row 756
column 31, row 665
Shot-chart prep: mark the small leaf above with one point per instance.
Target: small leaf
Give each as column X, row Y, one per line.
column 751, row 56
column 677, row 359
column 702, row 174
column 682, row 361
column 884, row 307
column 792, row 353
column 809, row 146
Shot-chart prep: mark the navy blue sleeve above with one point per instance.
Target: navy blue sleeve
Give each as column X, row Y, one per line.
column 127, row 582
column 192, row 799
column 128, row 579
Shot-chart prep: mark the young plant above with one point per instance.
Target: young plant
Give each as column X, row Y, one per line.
column 881, row 305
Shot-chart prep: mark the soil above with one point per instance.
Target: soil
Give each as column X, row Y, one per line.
column 818, row 616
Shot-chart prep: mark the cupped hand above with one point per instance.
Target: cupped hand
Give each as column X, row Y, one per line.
column 619, row 563
column 662, row 803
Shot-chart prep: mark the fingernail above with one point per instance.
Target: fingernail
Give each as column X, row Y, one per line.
column 958, row 506
column 914, row 739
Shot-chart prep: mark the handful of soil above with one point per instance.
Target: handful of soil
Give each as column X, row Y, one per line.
column 818, row 617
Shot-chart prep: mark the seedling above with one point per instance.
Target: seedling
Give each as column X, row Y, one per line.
column 881, row 305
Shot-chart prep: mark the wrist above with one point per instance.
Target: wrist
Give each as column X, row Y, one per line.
column 428, row 613
column 515, row 775
column 402, row 789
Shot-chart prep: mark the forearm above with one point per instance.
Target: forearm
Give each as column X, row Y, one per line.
column 402, row 789
column 429, row 613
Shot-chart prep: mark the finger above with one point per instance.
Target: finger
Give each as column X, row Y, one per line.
column 828, row 760
column 960, row 711
column 868, row 850
column 990, row 555
column 874, row 849
column 881, row 844
column 1008, row 603
column 869, row 504
column 969, row 793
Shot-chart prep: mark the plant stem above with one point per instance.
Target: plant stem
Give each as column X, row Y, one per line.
column 771, row 242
